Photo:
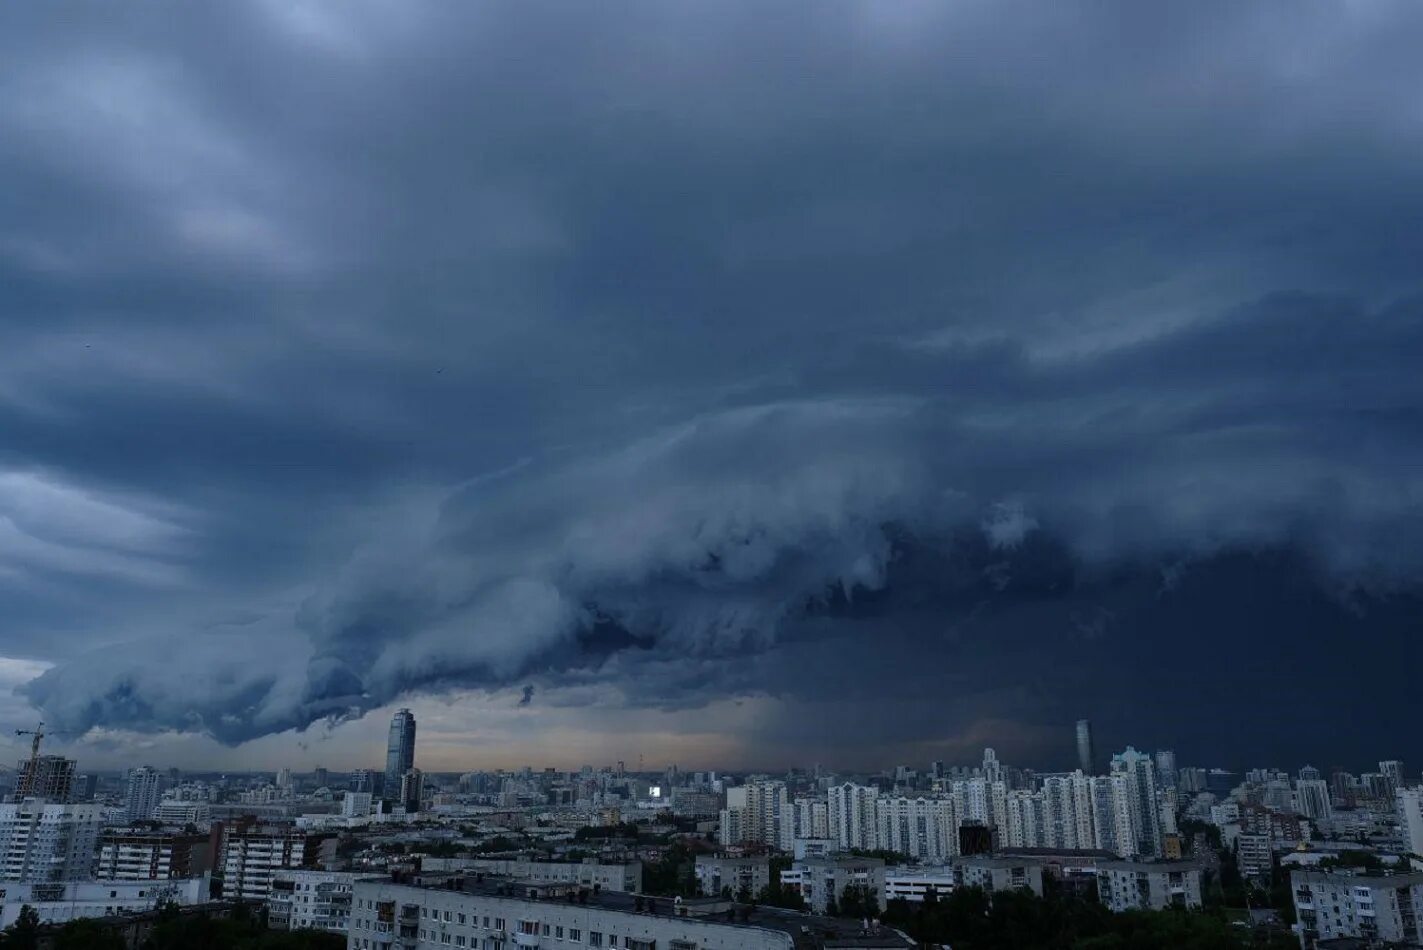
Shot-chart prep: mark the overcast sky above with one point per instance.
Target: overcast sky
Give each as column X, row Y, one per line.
column 723, row 383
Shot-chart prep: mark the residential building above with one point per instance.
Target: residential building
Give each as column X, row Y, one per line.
column 851, row 817
column 311, row 900
column 735, row 877
column 1148, row 885
column 625, row 878
column 63, row 901
column 1335, row 905
column 142, row 793
column 925, row 829
column 252, row 855
column 470, row 914
column 1254, row 853
column 999, row 873
column 399, row 750
column 172, row 811
column 1410, row 818
column 822, row 880
column 139, row 856
column 1312, row 799
column 46, row 842
column 754, row 813
column 913, row 884
column 1138, row 818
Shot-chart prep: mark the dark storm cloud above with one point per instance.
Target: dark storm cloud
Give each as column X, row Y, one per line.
column 736, row 304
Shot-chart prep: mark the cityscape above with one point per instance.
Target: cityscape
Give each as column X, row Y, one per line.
column 605, row 856
column 711, row 475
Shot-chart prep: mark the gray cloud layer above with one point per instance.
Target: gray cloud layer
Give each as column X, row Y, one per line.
column 737, row 306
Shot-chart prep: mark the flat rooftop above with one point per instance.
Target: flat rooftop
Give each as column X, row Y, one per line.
column 806, row 930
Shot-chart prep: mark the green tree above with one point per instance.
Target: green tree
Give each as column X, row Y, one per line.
column 24, row 933
column 87, row 935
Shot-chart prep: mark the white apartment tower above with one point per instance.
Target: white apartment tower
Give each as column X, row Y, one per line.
column 45, row 842
column 143, row 793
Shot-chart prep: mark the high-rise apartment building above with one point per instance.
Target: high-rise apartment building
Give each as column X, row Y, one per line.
column 1410, row 818
column 251, row 857
column 44, row 841
column 399, row 750
column 125, row 856
column 142, row 793
column 1086, row 755
column 754, row 812
column 1143, row 820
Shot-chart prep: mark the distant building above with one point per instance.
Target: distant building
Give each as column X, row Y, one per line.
column 733, row 876
column 135, row 856
column 623, row 878
column 1086, row 754
column 142, row 793
column 1312, row 799
column 175, row 812
column 47, row 842
column 399, row 750
column 356, row 805
column 1336, row 905
column 412, row 790
column 1148, row 885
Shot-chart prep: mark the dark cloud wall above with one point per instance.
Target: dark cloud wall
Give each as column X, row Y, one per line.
column 349, row 352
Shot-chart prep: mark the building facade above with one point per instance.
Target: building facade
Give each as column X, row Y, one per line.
column 1333, row 905
column 252, row 857
column 135, row 856
column 399, row 750
column 386, row 915
column 72, row 900
column 142, row 793
column 46, row 842
column 311, row 900
column 1148, row 885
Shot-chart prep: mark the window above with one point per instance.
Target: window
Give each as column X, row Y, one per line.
column 574, row 933
column 558, row 933
column 595, row 939
column 460, row 918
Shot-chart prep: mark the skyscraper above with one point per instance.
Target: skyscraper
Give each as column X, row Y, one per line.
column 399, row 750
column 1086, row 758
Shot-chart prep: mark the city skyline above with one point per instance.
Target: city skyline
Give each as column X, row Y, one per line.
column 867, row 385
